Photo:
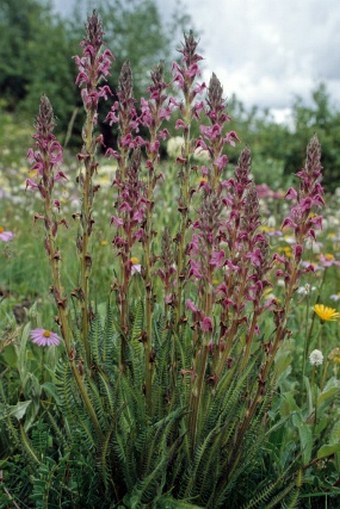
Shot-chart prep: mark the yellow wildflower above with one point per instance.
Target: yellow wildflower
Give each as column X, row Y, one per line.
column 134, row 260
column 311, row 215
column 266, row 229
column 329, row 257
column 287, row 250
column 32, row 173
column 335, row 355
column 325, row 313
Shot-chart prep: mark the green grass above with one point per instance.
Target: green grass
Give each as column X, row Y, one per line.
column 25, row 281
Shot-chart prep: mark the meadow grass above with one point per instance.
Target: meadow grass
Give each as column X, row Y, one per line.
column 195, row 358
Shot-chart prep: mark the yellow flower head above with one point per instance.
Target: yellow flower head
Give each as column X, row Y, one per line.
column 215, row 281
column 134, row 260
column 32, row 173
column 287, row 250
column 335, row 355
column 325, row 313
column 266, row 229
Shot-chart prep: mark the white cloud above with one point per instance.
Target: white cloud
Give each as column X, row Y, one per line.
column 266, row 51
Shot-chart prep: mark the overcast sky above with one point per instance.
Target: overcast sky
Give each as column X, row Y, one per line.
column 267, row 51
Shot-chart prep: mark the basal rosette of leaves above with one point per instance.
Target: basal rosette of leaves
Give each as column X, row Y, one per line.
column 167, row 394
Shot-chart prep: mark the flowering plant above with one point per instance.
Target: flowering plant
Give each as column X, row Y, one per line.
column 165, row 399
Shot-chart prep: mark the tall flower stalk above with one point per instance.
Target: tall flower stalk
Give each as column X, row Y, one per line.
column 46, row 157
column 215, row 137
column 154, row 111
column 130, row 204
column 246, row 265
column 207, row 256
column 205, row 259
column 303, row 221
column 130, row 213
column 185, row 76
column 94, row 66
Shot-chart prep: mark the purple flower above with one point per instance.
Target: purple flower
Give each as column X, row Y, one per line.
column 231, row 138
column 195, row 269
column 291, row 194
column 47, row 154
column 191, row 306
column 302, row 218
column 5, row 236
column 44, row 337
column 180, row 124
column 328, row 260
column 206, row 324
column 185, row 74
column 217, row 259
column 94, row 65
column 221, row 162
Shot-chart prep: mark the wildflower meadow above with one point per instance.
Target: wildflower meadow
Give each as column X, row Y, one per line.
column 169, row 329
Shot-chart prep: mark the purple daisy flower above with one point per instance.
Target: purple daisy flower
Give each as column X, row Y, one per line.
column 5, row 236
column 44, row 337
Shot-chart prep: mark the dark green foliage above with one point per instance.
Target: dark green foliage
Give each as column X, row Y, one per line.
column 144, row 457
column 277, row 149
column 322, row 119
column 35, row 58
column 37, row 46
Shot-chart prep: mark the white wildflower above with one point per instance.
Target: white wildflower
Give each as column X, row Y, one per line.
column 305, row 290
column 316, row 358
column 315, row 247
column 174, row 146
column 271, row 221
column 201, row 155
column 136, row 269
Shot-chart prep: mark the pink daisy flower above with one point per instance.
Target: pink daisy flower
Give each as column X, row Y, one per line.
column 44, row 337
column 5, row 236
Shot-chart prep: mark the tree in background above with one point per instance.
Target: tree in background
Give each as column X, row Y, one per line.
column 35, row 58
column 37, row 46
column 324, row 120
column 36, row 49
column 135, row 31
column 276, row 148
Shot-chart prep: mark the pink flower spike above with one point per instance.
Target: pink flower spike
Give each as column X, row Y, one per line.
column 221, row 162
column 180, row 124
column 117, row 221
column 206, row 324
column 44, row 337
column 217, row 259
column 291, row 194
column 5, row 236
column 191, row 306
column 112, row 153
column 31, row 184
column 232, row 138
